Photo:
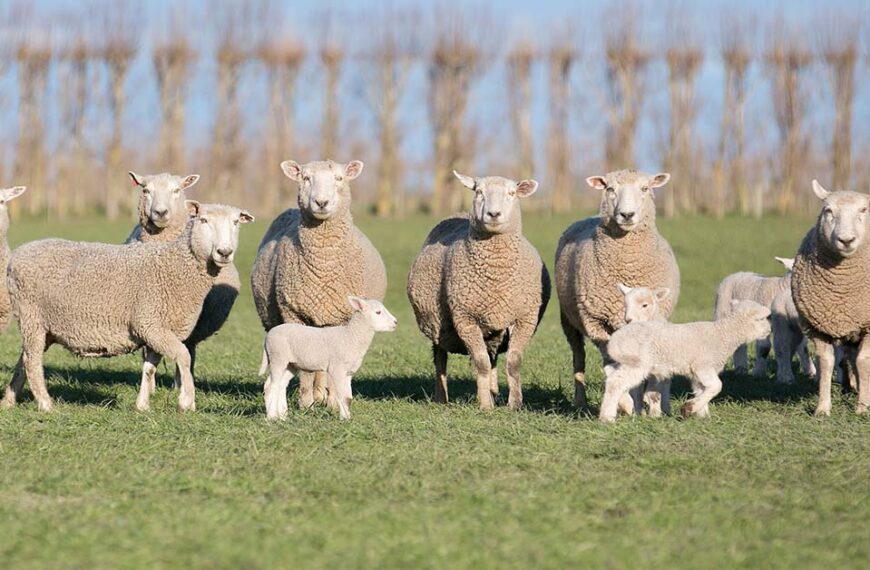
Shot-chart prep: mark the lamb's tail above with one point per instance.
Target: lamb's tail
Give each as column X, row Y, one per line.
column 264, row 365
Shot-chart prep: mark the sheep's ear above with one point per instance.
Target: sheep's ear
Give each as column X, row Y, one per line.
column 193, row 207
column 734, row 303
column 292, row 170
column 189, row 181
column 788, row 263
column 12, row 193
column 356, row 303
column 526, row 188
column 662, row 294
column 138, row 181
column 597, row 182
column 659, row 180
column 245, row 217
column 466, row 181
column 819, row 191
column 624, row 289
column 353, row 169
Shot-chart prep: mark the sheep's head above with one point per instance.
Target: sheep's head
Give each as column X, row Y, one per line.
column 162, row 197
column 842, row 223
column 7, row 194
column 627, row 201
column 496, row 208
column 375, row 313
column 214, row 234
column 643, row 303
column 324, row 186
column 756, row 318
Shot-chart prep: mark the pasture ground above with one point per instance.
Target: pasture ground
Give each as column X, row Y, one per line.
column 411, row 484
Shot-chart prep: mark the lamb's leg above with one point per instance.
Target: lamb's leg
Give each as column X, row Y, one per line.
column 619, row 380
column 520, row 336
column 343, row 396
column 807, row 364
column 783, row 349
column 653, row 396
column 862, row 364
column 825, row 353
column 708, row 387
column 276, row 396
column 762, row 350
column 664, row 387
column 34, row 343
column 13, row 390
column 306, row 389
column 578, row 353
column 472, row 336
column 439, row 355
column 168, row 345
column 146, row 387
column 741, row 359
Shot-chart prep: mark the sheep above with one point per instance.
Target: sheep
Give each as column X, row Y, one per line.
column 622, row 244
column 788, row 338
column 479, row 287
column 104, row 300
column 644, row 304
column 661, row 349
column 163, row 217
column 829, row 283
column 313, row 257
column 339, row 351
column 6, row 194
column 746, row 286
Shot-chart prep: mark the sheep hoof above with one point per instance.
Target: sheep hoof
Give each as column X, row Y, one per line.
column 862, row 409
column 515, row 404
column 822, row 412
column 7, row 403
column 487, row 403
column 607, row 419
column 186, row 404
column 143, row 406
column 45, row 405
column 688, row 409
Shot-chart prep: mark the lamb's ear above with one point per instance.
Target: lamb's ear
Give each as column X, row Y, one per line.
column 466, row 181
column 292, row 170
column 624, row 289
column 819, row 191
column 526, row 188
column 356, row 303
column 193, row 207
column 138, row 181
column 788, row 263
column 245, row 217
column 353, row 169
column 659, row 180
column 11, row 193
column 597, row 182
column 734, row 303
column 662, row 294
column 189, row 181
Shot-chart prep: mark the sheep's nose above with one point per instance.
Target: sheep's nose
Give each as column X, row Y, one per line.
column 160, row 212
column 493, row 214
column 627, row 216
column 846, row 241
column 225, row 251
column 321, row 203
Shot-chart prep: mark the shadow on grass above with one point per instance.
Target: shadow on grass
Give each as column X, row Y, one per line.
column 747, row 388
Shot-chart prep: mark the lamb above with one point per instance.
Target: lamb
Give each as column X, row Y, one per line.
column 90, row 298
column 788, row 338
column 313, row 257
column 339, row 351
column 6, row 194
column 163, row 217
column 479, row 287
column 621, row 245
column 698, row 350
column 829, row 287
column 746, row 286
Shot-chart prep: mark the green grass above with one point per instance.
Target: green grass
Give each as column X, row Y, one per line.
column 411, row 484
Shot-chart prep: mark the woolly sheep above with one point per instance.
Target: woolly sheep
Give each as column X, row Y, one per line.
column 479, row 287
column 91, row 298
column 621, row 245
column 163, row 217
column 661, row 349
column 339, row 351
column 788, row 338
column 829, row 287
column 6, row 194
column 313, row 257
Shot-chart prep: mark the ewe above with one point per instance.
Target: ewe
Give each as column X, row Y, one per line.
column 621, row 245
column 6, row 194
column 479, row 287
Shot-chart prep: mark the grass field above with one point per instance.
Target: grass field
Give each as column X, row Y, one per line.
column 411, row 484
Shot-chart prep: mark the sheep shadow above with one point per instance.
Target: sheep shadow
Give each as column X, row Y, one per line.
column 740, row 387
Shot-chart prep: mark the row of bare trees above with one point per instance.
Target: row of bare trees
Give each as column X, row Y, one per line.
column 69, row 77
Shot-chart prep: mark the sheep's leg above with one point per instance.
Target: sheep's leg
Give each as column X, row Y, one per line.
column 319, row 392
column 146, row 387
column 493, row 379
column 626, row 404
column 306, row 389
column 807, row 364
column 762, row 350
column 191, row 348
column 168, row 345
column 619, row 380
column 825, row 352
column 439, row 355
column 653, row 396
column 520, row 336
column 34, row 346
column 578, row 353
column 862, row 364
column 783, row 349
column 850, row 369
column 709, row 385
column 664, row 388
column 741, row 359
column 472, row 336
column 13, row 390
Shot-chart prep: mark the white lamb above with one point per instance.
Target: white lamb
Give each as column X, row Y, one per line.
column 697, row 350
column 292, row 348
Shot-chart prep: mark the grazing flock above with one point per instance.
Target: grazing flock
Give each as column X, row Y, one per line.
column 477, row 287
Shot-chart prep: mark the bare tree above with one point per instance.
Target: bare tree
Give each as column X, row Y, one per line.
column 332, row 53
column 172, row 57
column 561, row 58
column 519, row 91
column 838, row 46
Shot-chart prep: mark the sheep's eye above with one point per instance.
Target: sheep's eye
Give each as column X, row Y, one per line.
column 145, row 190
column 863, row 210
column 645, row 189
column 236, row 221
column 203, row 220
column 338, row 178
column 176, row 191
column 377, row 312
column 306, row 179
column 609, row 190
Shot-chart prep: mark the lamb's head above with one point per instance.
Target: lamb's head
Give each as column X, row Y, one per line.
column 842, row 223
column 642, row 303
column 214, row 233
column 753, row 317
column 374, row 312
column 627, row 200
column 162, row 197
column 496, row 208
column 7, row 194
column 324, row 186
